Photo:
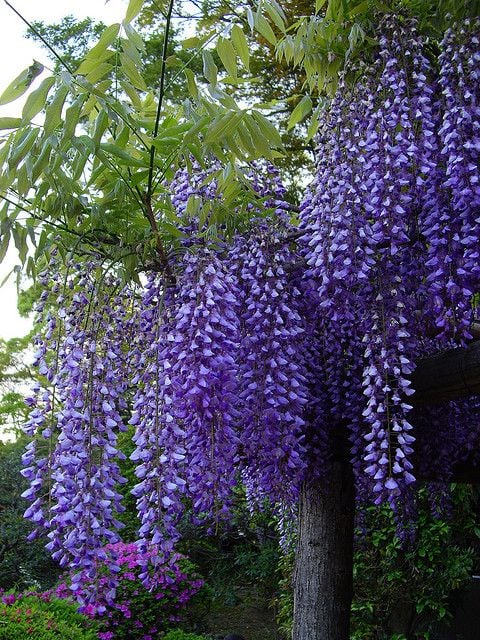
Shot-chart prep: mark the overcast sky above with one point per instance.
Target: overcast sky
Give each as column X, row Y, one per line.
column 17, row 53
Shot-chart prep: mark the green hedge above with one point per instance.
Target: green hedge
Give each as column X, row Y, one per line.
column 31, row 617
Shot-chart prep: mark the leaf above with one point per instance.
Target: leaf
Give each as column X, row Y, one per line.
column 121, row 154
column 263, row 27
column 134, row 8
column 191, row 84
column 42, row 161
column 20, row 238
column 262, row 145
column 132, row 73
column 132, row 94
column 100, row 52
column 240, row 43
column 21, row 83
column 10, row 123
column 37, row 99
column 191, row 43
column 21, row 149
column 276, row 14
column 210, row 69
column 53, row 112
column 223, row 126
column 98, row 72
column 319, row 4
column 228, row 56
column 268, row 129
column 72, row 119
column 4, row 239
column 101, row 124
column 302, row 109
column 108, row 37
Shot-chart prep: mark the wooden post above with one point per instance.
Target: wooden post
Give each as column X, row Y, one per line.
column 324, row 558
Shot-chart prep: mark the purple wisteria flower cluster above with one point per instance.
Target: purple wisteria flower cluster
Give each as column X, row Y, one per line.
column 76, row 416
column 270, row 342
column 391, row 231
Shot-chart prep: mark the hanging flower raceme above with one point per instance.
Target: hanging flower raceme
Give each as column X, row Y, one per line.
column 274, row 392
column 451, row 215
column 86, row 370
column 378, row 204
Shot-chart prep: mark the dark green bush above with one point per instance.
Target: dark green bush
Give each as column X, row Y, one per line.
column 23, row 564
column 49, row 619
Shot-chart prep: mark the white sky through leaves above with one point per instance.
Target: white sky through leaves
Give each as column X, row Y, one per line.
column 17, row 53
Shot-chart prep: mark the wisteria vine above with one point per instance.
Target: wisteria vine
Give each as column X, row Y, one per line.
column 274, row 339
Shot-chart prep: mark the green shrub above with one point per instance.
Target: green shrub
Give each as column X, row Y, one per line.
column 178, row 634
column 52, row 619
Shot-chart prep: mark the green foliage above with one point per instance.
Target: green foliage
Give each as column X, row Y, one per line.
column 31, row 617
column 14, row 376
column 417, row 578
column 178, row 634
column 23, row 563
column 92, row 176
column 70, row 37
column 402, row 589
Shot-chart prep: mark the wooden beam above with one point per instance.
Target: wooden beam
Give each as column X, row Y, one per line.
column 450, row 375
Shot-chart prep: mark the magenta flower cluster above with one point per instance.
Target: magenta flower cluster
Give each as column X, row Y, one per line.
column 136, row 613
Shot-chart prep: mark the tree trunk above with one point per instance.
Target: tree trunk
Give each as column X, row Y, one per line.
column 324, row 560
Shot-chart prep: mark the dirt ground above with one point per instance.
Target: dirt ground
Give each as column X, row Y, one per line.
column 250, row 617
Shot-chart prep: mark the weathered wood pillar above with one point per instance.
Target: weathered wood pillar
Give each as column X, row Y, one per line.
column 324, row 559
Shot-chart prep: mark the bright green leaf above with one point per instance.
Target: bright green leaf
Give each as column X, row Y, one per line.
column 21, row 83
column 228, row 56
column 223, row 126
column 240, row 43
column 210, row 69
column 302, row 109
column 132, row 73
column 21, row 148
column 263, row 27
column 53, row 112
column 121, row 154
column 37, row 99
column 10, row 123
column 276, row 14
column 268, row 129
column 134, row 8
column 191, row 84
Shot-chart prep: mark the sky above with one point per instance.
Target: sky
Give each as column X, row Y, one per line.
column 17, row 53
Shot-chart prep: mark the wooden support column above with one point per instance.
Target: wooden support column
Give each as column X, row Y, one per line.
column 324, row 559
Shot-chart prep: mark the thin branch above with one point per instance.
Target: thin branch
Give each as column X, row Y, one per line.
column 39, row 36
column 160, row 97
column 154, row 226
